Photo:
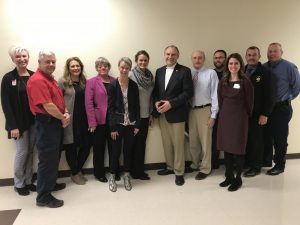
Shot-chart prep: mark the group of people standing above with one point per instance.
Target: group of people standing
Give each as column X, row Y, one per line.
column 236, row 109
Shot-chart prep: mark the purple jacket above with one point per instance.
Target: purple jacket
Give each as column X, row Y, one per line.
column 96, row 101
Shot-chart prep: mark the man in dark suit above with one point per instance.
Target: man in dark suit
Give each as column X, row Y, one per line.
column 264, row 99
column 172, row 90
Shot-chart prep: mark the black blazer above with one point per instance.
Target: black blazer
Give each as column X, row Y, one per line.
column 264, row 91
column 179, row 91
column 15, row 116
column 116, row 106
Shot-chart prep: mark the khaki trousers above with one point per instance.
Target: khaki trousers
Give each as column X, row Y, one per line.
column 200, row 137
column 173, row 143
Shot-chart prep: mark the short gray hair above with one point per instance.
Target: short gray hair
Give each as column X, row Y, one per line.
column 102, row 60
column 15, row 50
column 44, row 53
column 125, row 60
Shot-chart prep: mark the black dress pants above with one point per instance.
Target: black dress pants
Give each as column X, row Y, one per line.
column 279, row 131
column 215, row 154
column 125, row 141
column 139, row 149
column 48, row 141
column 255, row 144
column 101, row 136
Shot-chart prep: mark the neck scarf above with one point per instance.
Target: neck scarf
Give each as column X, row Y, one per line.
column 145, row 80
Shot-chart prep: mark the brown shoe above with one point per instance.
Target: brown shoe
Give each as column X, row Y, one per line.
column 201, row 176
column 77, row 179
column 82, row 176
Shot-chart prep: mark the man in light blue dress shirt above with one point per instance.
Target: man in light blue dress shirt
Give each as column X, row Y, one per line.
column 202, row 114
column 287, row 88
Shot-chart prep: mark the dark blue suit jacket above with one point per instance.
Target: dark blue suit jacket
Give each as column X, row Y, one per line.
column 179, row 91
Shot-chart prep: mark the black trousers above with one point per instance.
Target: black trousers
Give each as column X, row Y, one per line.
column 125, row 137
column 233, row 162
column 215, row 154
column 77, row 156
column 49, row 133
column 255, row 144
column 138, row 154
column 101, row 137
column 278, row 132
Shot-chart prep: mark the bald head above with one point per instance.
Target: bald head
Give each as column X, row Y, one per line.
column 198, row 58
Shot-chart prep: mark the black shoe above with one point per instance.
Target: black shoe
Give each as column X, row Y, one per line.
column 144, row 176
column 189, row 170
column 165, row 172
column 226, row 182
column 117, row 177
column 22, row 191
column 236, row 184
column 179, row 180
column 59, row 186
column 52, row 203
column 252, row 172
column 31, row 187
column 275, row 171
column 215, row 167
column 201, row 176
column 102, row 179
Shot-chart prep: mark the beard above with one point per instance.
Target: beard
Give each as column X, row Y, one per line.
column 219, row 65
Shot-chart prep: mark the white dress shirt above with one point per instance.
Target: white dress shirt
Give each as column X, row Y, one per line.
column 205, row 89
column 169, row 71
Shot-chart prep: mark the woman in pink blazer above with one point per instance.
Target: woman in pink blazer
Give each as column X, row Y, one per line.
column 96, row 110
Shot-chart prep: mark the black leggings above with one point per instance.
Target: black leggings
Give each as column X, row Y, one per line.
column 233, row 161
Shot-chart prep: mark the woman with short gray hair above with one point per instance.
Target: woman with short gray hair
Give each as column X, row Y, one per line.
column 19, row 119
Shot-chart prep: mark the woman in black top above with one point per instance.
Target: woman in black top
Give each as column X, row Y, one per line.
column 124, row 121
column 19, row 119
column 76, row 140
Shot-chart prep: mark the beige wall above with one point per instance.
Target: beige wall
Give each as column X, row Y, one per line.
column 116, row 28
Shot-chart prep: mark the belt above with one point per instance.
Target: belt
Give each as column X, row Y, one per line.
column 286, row 102
column 45, row 117
column 201, row 106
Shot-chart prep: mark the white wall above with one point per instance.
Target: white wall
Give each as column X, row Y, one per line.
column 116, row 28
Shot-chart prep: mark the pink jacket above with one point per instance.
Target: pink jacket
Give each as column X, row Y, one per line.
column 96, row 101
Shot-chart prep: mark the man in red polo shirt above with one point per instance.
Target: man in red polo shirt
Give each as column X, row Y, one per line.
column 47, row 104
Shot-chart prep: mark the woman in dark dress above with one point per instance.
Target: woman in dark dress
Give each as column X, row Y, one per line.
column 76, row 136
column 235, row 95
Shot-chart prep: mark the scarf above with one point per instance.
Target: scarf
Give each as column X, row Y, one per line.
column 145, row 80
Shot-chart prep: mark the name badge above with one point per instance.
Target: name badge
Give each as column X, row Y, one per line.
column 236, row 86
column 14, row 82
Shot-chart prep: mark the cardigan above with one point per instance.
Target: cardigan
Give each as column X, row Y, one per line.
column 116, row 106
column 11, row 103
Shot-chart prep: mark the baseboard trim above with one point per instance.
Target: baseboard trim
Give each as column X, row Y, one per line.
column 150, row 166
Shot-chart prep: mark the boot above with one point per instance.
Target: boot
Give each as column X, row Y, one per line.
column 127, row 182
column 226, row 182
column 112, row 183
column 236, row 184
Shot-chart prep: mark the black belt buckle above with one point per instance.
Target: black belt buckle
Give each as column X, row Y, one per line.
column 201, row 106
